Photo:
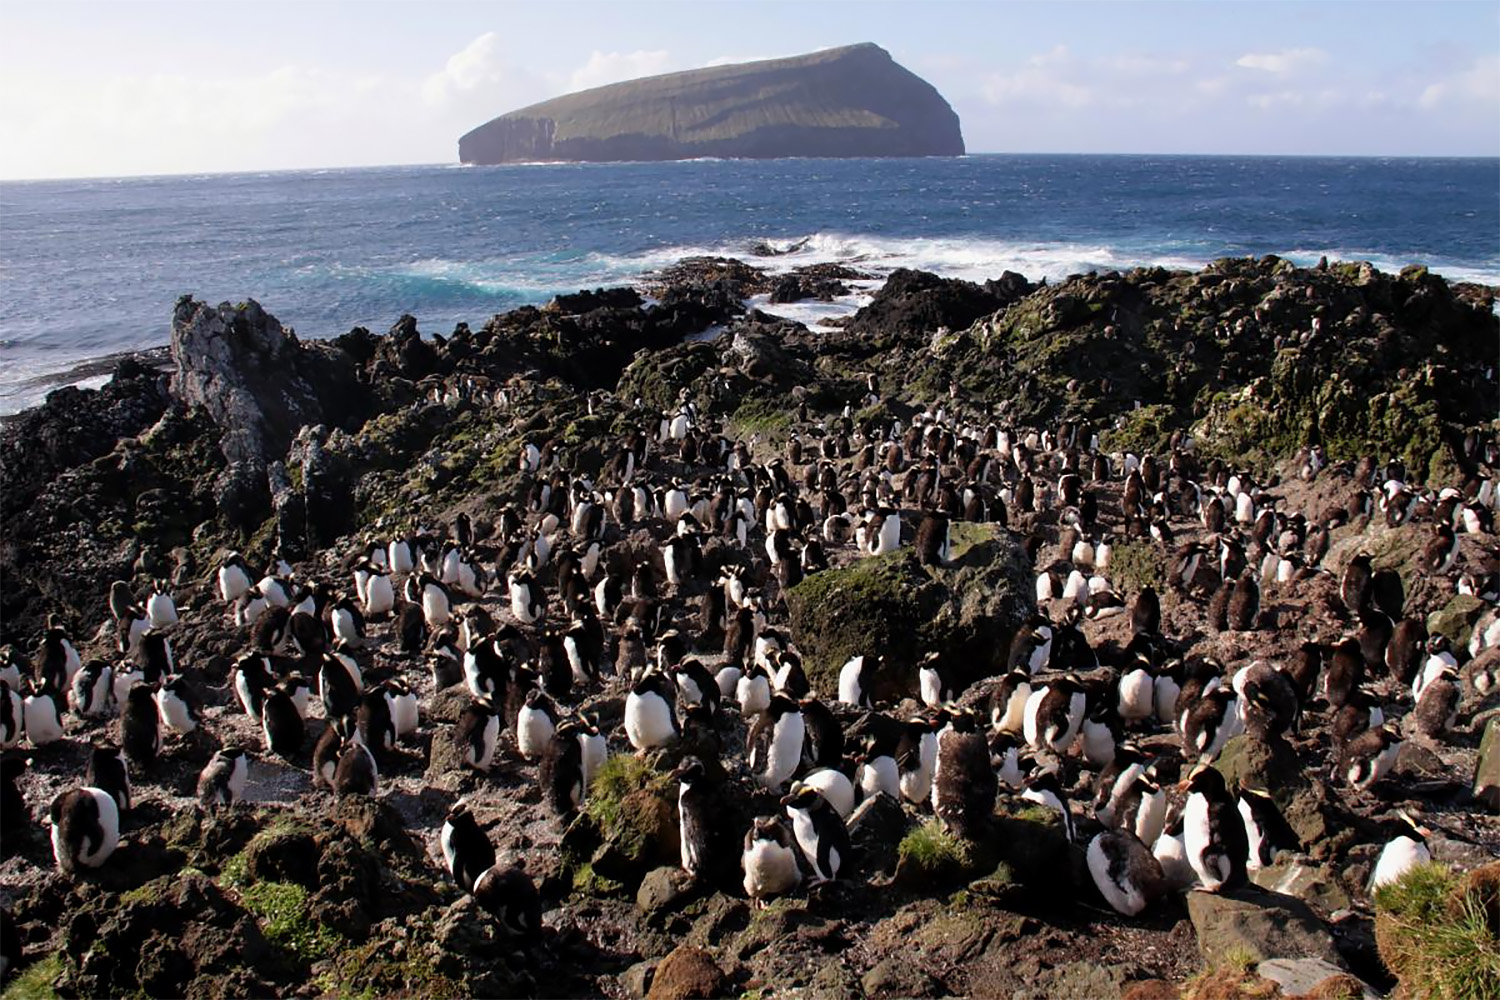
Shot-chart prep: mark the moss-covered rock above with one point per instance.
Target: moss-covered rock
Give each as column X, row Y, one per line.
column 1438, row 933
column 895, row 607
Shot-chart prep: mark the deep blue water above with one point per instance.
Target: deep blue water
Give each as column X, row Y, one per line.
column 91, row 267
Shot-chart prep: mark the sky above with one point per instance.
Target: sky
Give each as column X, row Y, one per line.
column 129, row 87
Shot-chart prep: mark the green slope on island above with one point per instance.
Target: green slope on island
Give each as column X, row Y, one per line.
column 850, row 101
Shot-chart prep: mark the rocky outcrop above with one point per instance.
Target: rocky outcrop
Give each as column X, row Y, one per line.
column 851, row 101
column 892, row 606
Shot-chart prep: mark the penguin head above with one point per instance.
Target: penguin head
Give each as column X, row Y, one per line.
column 1412, row 821
column 802, row 796
column 689, row 771
column 1206, row 780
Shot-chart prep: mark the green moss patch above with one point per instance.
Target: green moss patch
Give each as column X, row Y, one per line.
column 35, row 981
column 282, row 909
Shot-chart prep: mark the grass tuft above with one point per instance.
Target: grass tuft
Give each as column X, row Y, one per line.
column 282, row 910
column 35, row 981
column 620, row 775
column 1435, row 935
column 931, row 850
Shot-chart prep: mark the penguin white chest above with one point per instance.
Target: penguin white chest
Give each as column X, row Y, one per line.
column 878, row 775
column 1197, row 840
column 770, row 869
column 1121, row 893
column 533, row 732
column 379, row 595
column 595, row 752
column 1398, row 857
column 785, row 751
column 1136, row 692
column 648, row 720
column 932, row 687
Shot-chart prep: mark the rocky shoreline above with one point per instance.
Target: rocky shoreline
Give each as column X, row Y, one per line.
column 1310, row 386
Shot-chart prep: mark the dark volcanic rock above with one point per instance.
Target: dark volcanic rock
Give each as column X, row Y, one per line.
column 850, row 101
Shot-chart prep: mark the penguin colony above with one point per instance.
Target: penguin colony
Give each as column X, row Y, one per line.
column 658, row 586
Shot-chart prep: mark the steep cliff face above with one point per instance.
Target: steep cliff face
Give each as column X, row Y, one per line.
column 851, row 101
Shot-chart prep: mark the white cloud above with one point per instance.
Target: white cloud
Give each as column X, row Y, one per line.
column 613, row 67
column 1285, row 61
column 1048, row 77
column 1479, row 83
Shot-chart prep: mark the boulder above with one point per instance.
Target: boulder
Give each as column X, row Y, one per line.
column 662, row 889
column 1307, row 880
column 688, row 973
column 1487, row 768
column 1313, row 977
column 1264, row 924
column 967, row 611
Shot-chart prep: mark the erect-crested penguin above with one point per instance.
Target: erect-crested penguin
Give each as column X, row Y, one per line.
column 561, row 773
column 1126, row 873
column 1266, row 830
column 509, row 895
column 85, row 828
column 281, row 723
column 820, row 833
column 856, row 680
column 769, row 860
column 963, row 783
column 535, row 723
column 774, row 742
column 222, row 780
column 1402, row 853
column 1369, row 757
column 93, row 689
column 1213, row 831
column 107, row 770
column 650, row 721
column 466, row 849
column 1045, row 789
column 140, row 727
column 1054, row 714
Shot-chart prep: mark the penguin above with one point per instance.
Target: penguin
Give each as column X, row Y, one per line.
column 1140, row 807
column 177, row 706
column 436, row 602
column 222, row 780
column 1369, row 757
column 856, row 681
column 1170, row 851
column 160, row 608
column 876, row 771
column 1266, row 830
column 1054, row 714
column 299, row 689
column 1145, row 612
column 535, row 722
column 769, row 861
column 1045, row 789
column 106, row 769
column 1244, row 604
column 93, row 687
column 1355, row 583
column 916, row 758
column 466, row 849
column 271, row 632
column 932, row 543
column 235, row 578
column 1437, row 708
column 374, row 723
column 356, row 773
column 140, row 727
column 821, row 835
column 85, row 828
column 58, row 661
column 346, row 622
column 509, row 895
column 935, row 681
column 1008, row 702
column 1135, row 692
column 339, row 686
column 753, row 690
column 1125, row 871
column 1402, row 853
column 477, row 734
column 1213, row 831
column 325, row 755
column 1212, row 721
column 1402, row 660
column 1343, row 673
column 774, row 742
column 561, row 774
column 281, row 723
column 698, row 811
column 130, row 624
column 377, row 594
column 1099, row 734
column 1359, row 713
column 963, row 783
column 696, row 686
column 403, row 706
column 1439, row 659
column 1441, row 551
column 528, row 602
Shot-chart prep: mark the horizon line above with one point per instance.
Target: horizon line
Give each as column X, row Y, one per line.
column 454, row 164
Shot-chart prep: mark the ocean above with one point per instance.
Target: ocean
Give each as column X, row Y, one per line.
column 89, row 268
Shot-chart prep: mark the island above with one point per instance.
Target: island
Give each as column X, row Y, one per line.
column 843, row 102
